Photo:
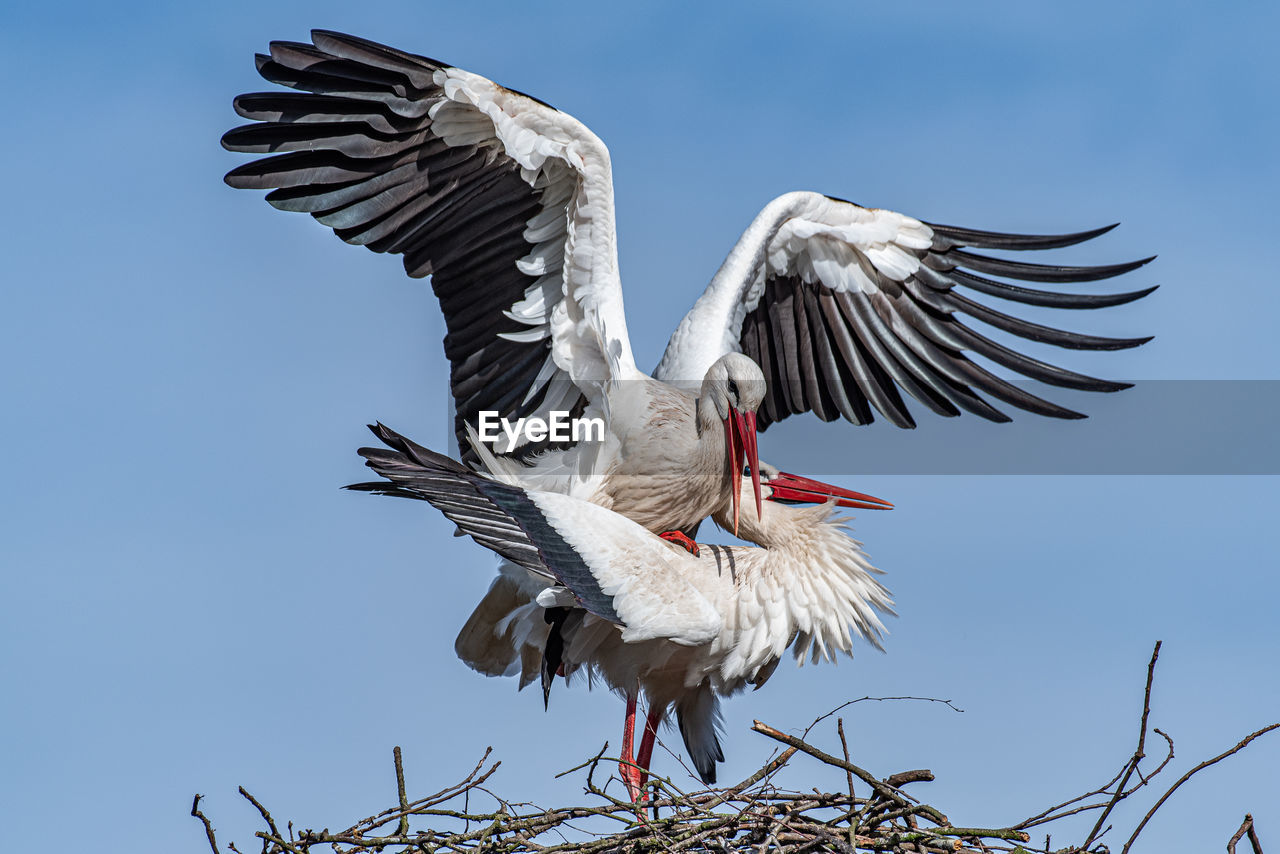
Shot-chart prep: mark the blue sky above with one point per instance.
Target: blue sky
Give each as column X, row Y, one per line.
column 191, row 603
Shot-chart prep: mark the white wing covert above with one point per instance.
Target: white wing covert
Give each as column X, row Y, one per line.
column 843, row 306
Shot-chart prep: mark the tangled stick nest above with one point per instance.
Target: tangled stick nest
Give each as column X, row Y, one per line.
column 754, row 815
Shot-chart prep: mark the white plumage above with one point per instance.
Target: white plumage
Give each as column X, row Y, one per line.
column 687, row 629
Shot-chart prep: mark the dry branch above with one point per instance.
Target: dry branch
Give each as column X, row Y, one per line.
column 752, row 816
column 1245, row 828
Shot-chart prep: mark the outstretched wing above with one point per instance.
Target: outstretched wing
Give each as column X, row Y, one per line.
column 611, row 566
column 844, row 306
column 506, row 202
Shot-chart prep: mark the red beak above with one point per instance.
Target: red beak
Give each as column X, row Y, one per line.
column 740, row 430
column 791, row 487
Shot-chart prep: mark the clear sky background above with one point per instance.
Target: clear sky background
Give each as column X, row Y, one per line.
column 190, row 603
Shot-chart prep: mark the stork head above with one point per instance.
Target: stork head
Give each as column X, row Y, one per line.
column 733, row 389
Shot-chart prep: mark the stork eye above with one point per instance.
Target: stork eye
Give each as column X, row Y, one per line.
column 733, row 390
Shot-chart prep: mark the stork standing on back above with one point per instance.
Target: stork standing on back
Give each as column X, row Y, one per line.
column 636, row 610
column 507, row 203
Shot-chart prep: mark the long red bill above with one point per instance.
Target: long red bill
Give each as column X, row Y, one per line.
column 747, row 424
column 734, row 446
column 792, row 487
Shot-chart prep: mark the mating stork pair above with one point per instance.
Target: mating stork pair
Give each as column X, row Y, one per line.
column 822, row 305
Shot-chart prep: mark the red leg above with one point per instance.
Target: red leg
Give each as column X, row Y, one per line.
column 646, row 742
column 630, row 775
column 680, row 539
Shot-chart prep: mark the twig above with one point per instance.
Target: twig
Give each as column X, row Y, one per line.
column 1246, row 827
column 266, row 816
column 1138, row 754
column 866, row 777
column 1253, row 839
column 849, row 703
column 844, row 746
column 402, row 827
column 208, row 828
column 592, row 761
column 902, row 778
column 1187, row 776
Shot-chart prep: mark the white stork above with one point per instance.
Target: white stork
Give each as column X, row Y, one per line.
column 507, row 203
column 612, row 597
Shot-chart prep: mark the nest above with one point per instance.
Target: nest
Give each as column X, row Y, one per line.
column 755, row 815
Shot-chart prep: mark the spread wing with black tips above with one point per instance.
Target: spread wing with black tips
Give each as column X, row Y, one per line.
column 845, row 307
column 843, row 353
column 470, row 183
column 499, row 517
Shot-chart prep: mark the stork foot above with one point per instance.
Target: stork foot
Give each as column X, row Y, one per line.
column 634, row 779
column 680, row 539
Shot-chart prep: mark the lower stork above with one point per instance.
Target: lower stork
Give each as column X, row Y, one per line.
column 650, row 617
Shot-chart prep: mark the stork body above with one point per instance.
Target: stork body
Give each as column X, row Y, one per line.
column 665, row 462
column 508, row 204
column 638, row 611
